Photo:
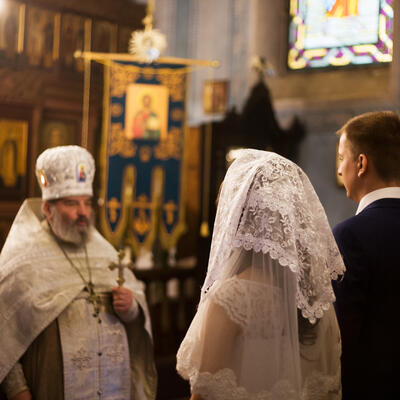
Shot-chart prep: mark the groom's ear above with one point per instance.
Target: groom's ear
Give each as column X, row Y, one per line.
column 362, row 165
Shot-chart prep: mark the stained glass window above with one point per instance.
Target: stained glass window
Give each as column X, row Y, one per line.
column 326, row 33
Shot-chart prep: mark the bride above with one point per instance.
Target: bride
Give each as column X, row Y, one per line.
column 265, row 326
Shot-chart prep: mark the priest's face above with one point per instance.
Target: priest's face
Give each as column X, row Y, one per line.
column 70, row 217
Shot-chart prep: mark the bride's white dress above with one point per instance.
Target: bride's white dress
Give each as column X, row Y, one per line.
column 239, row 348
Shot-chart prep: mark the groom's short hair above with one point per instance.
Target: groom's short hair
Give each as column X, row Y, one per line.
column 377, row 135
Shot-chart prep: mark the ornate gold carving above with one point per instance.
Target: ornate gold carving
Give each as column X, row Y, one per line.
column 176, row 84
column 177, row 114
column 123, row 75
column 119, row 144
column 148, row 73
column 142, row 224
column 120, row 78
column 171, row 147
column 116, row 110
column 113, row 205
column 145, row 153
column 169, row 209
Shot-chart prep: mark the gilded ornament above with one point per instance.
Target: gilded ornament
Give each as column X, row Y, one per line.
column 113, row 206
column 43, row 178
column 145, row 153
column 171, row 147
column 119, row 144
column 177, row 114
column 176, row 84
column 148, row 73
column 170, row 207
column 141, row 223
column 121, row 77
column 116, row 110
column 147, row 45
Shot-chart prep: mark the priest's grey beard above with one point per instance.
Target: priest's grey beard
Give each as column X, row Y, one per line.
column 69, row 231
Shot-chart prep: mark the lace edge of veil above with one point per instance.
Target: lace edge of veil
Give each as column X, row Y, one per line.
column 310, row 310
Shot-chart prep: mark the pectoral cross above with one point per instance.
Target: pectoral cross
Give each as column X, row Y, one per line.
column 120, row 266
column 93, row 299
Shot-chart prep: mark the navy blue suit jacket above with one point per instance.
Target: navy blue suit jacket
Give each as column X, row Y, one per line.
column 368, row 302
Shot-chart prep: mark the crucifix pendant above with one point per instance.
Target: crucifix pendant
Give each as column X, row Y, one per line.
column 93, row 298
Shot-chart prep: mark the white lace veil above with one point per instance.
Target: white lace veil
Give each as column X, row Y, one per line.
column 268, row 204
column 272, row 254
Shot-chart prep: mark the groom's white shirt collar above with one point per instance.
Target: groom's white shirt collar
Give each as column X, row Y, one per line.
column 385, row 193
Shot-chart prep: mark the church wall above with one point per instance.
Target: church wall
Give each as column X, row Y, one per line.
column 323, row 99
column 232, row 31
column 209, row 30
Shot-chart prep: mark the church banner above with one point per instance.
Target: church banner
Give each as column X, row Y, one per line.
column 142, row 153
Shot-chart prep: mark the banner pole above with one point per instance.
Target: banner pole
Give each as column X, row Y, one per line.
column 129, row 57
column 86, row 86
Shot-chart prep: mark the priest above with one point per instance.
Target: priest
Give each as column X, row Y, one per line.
column 68, row 330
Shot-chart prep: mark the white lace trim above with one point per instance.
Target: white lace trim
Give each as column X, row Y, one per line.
column 223, row 385
column 319, row 386
column 259, row 314
column 282, row 217
column 184, row 362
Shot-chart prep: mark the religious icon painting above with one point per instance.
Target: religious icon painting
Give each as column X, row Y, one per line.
column 215, row 97
column 54, row 133
column 146, row 112
column 72, row 39
column 9, row 28
column 104, row 37
column 42, row 43
column 336, row 33
column 81, row 173
column 13, row 157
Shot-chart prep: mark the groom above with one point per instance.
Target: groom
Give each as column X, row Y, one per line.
column 368, row 298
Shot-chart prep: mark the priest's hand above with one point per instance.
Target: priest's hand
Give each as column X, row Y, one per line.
column 122, row 299
column 125, row 305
